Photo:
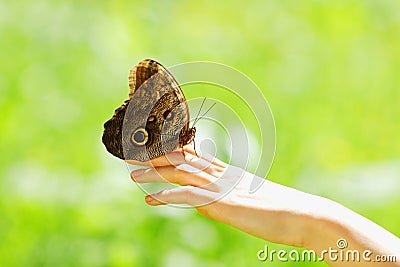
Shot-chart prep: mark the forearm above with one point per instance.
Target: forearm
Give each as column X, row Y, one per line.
column 274, row 212
column 332, row 222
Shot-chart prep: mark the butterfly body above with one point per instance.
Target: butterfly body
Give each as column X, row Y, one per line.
column 155, row 118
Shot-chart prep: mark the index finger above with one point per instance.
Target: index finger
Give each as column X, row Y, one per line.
column 182, row 156
column 173, row 158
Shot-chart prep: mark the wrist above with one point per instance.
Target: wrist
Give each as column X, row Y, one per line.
column 331, row 225
column 324, row 225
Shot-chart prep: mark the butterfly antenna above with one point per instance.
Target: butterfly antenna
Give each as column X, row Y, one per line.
column 198, row 113
column 202, row 116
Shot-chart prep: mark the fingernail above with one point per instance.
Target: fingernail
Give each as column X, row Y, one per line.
column 149, row 198
column 188, row 168
column 138, row 172
column 133, row 177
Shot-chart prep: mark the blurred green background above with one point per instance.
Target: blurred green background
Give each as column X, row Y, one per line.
column 329, row 69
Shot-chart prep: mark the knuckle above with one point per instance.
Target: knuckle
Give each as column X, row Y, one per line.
column 165, row 194
column 188, row 191
column 176, row 172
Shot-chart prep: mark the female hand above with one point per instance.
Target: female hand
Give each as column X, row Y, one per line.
column 273, row 212
column 222, row 192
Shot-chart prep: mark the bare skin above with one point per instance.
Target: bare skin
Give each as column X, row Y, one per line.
column 274, row 212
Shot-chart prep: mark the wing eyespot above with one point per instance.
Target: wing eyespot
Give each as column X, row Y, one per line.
column 140, row 137
column 168, row 115
column 151, row 119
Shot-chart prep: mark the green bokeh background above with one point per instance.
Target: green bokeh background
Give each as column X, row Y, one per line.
column 329, row 69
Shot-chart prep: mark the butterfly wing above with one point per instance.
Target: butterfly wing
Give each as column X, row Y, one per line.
column 150, row 123
column 145, row 70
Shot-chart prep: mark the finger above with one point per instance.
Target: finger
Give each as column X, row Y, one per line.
column 205, row 156
column 182, row 175
column 173, row 158
column 207, row 163
column 203, row 165
column 190, row 195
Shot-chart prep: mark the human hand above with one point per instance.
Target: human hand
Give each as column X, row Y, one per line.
column 222, row 192
column 273, row 212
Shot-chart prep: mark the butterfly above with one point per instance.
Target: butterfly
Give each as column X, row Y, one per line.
column 154, row 120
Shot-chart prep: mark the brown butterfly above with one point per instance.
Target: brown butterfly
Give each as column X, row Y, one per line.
column 155, row 118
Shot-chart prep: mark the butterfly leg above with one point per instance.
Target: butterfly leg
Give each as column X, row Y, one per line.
column 194, row 147
column 183, row 153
